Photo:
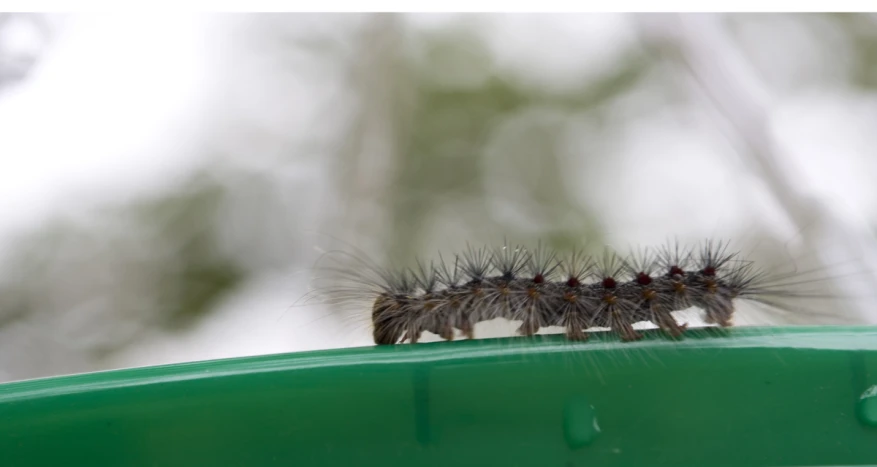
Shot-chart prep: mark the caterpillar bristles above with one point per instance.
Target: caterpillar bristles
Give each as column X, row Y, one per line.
column 535, row 311
column 576, row 300
column 577, row 292
column 656, row 305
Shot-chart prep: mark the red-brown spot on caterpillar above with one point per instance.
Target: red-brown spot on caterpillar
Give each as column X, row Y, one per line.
column 675, row 271
column 609, row 283
column 643, row 279
column 709, row 271
column 539, row 279
column 573, row 282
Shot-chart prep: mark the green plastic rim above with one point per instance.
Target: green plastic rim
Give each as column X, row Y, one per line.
column 799, row 396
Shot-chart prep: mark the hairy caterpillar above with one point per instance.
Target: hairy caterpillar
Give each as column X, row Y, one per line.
column 576, row 292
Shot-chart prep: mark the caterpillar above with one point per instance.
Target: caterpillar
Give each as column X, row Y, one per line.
column 576, row 292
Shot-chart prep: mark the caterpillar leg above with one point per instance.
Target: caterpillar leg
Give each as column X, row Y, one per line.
column 665, row 320
column 575, row 327
column 719, row 310
column 466, row 327
column 447, row 332
column 623, row 327
column 530, row 326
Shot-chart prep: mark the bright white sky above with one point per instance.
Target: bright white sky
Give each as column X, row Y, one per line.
column 99, row 112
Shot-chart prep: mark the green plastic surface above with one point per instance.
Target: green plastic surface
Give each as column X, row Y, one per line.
column 749, row 397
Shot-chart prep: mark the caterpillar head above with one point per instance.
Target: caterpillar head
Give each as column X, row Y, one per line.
column 384, row 312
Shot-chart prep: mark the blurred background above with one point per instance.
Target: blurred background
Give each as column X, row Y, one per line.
column 168, row 181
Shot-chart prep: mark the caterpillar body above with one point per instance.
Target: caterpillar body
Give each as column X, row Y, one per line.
column 576, row 292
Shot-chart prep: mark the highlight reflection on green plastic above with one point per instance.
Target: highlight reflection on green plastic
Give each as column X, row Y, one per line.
column 750, row 397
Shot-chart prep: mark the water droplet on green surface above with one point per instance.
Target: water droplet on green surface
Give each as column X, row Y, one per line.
column 580, row 426
column 866, row 408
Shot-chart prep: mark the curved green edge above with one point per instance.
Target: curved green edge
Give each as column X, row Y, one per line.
column 743, row 397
